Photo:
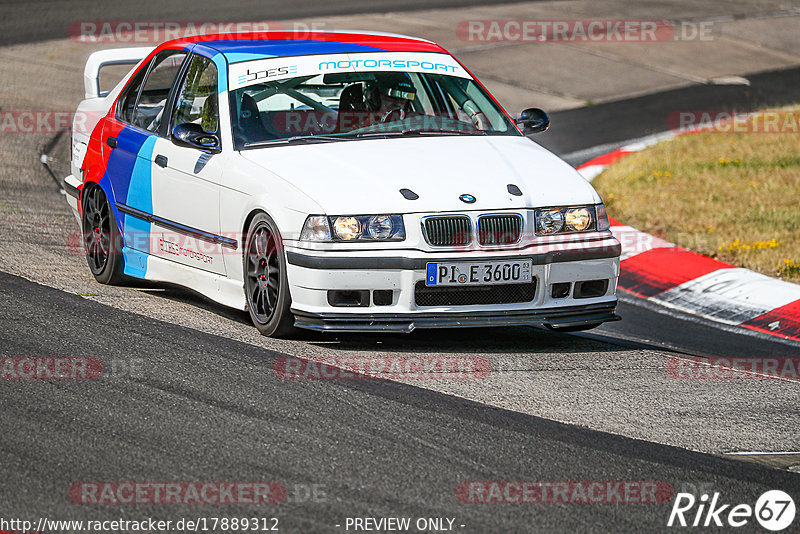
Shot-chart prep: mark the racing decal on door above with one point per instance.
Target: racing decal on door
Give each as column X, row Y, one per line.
column 136, row 231
column 119, row 159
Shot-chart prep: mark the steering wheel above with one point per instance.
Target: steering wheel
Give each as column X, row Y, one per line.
column 388, row 115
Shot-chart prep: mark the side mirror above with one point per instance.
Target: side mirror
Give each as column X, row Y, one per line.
column 193, row 135
column 533, row 120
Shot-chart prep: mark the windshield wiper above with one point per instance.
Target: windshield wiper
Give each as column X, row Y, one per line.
column 330, row 138
column 445, row 132
column 421, row 132
column 297, row 139
column 305, row 138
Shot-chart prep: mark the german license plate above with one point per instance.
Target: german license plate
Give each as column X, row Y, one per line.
column 478, row 273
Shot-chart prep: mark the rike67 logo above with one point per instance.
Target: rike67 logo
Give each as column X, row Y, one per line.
column 774, row 510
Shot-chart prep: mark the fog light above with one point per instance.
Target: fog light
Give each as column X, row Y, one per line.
column 560, row 290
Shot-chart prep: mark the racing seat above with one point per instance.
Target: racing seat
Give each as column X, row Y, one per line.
column 352, row 108
column 250, row 126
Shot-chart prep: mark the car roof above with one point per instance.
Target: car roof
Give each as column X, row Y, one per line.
column 277, row 43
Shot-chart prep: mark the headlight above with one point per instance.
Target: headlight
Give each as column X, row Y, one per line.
column 380, row 227
column 346, row 228
column 578, row 219
column 566, row 220
column 549, row 221
column 354, row 228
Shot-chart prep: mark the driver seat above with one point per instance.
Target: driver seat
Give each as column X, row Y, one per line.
column 250, row 126
column 352, row 108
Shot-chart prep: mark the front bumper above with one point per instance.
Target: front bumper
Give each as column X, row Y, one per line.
column 313, row 274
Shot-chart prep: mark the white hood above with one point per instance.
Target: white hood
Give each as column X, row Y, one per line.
column 365, row 176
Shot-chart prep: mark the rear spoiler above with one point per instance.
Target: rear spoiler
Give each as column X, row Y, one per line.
column 105, row 58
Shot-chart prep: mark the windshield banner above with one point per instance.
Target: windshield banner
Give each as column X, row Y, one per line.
column 270, row 69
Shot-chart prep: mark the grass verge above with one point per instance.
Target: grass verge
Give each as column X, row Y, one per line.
column 730, row 195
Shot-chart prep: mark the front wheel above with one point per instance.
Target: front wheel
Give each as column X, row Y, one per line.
column 265, row 282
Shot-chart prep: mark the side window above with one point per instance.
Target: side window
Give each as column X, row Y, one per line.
column 197, row 99
column 127, row 101
column 152, row 99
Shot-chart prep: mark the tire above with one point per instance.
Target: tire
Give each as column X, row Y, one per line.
column 102, row 242
column 266, row 285
column 577, row 328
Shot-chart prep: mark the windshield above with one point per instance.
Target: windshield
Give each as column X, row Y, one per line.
column 351, row 105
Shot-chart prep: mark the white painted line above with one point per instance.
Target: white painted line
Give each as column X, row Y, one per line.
column 730, row 80
column 638, row 145
column 757, row 453
column 628, row 145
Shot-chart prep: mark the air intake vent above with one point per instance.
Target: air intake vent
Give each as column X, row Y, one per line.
column 499, row 229
column 448, row 231
column 473, row 295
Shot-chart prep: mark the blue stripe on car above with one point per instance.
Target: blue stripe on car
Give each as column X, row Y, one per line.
column 238, row 57
column 140, row 196
column 222, row 72
column 287, row 47
column 122, row 161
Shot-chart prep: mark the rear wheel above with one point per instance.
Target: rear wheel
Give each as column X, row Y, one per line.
column 101, row 238
column 265, row 282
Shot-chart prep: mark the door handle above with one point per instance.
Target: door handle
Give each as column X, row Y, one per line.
column 161, row 161
column 112, row 142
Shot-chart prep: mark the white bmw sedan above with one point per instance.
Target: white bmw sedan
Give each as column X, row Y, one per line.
column 335, row 181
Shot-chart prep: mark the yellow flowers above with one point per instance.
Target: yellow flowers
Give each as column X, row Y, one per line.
column 653, row 176
column 724, row 162
column 789, row 268
column 739, row 246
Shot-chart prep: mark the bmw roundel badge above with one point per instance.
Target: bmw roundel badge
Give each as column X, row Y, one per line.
column 469, row 199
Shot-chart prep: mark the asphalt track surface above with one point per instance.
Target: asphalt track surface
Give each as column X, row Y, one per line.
column 210, row 408
column 573, row 133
